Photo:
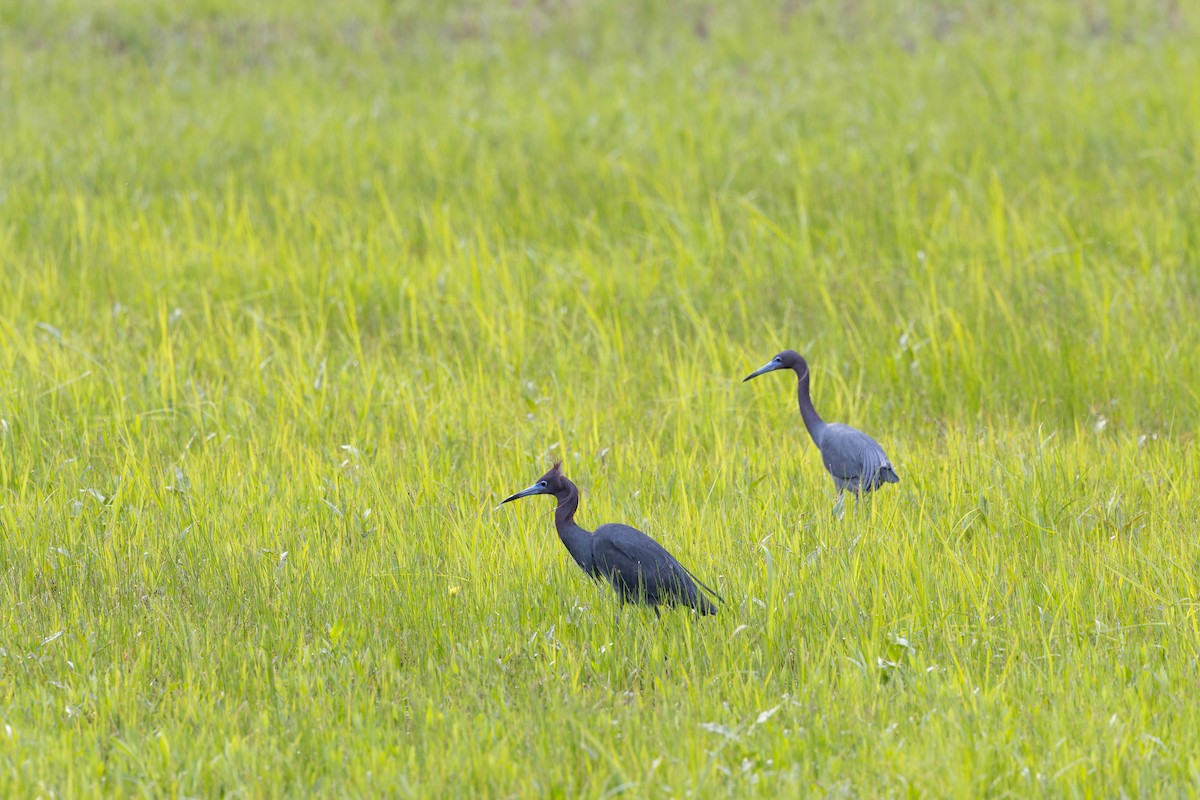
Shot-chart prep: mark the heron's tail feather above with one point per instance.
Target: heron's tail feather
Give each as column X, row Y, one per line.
column 888, row 475
column 701, row 598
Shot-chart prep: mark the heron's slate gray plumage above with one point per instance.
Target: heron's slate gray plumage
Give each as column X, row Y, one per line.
column 855, row 460
column 639, row 568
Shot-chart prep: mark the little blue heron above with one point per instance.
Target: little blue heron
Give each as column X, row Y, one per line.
column 855, row 460
column 639, row 568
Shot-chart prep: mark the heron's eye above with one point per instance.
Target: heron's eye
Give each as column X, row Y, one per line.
column 542, row 484
column 777, row 359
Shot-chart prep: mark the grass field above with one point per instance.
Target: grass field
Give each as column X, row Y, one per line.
column 293, row 294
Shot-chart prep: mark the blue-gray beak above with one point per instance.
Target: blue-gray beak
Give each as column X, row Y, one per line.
column 770, row 366
column 537, row 488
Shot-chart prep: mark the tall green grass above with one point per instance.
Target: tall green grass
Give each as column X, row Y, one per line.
column 293, row 294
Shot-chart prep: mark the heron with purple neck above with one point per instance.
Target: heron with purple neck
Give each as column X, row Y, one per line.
column 639, row 569
column 855, row 460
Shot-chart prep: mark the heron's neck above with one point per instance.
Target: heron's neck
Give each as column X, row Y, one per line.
column 576, row 539
column 812, row 420
column 568, row 502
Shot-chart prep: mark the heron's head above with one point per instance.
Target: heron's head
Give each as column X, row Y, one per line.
column 552, row 482
column 788, row 359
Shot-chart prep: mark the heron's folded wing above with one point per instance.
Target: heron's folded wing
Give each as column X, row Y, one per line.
column 634, row 556
column 849, row 453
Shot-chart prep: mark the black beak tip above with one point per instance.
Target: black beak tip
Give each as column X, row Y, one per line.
column 748, row 377
column 508, row 499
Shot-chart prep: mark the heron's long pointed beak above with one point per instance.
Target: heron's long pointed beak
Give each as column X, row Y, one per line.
column 535, row 489
column 770, row 366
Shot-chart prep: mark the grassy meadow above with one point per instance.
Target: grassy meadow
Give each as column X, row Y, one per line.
column 292, row 294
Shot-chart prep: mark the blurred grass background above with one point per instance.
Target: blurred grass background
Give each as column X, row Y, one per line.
column 294, row 293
